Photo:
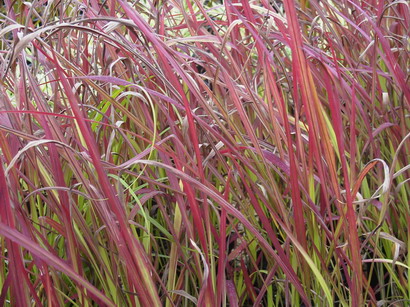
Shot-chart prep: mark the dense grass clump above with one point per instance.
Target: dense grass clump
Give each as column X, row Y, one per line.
column 210, row 153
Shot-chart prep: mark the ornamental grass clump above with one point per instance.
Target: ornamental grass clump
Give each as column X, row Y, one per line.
column 210, row 153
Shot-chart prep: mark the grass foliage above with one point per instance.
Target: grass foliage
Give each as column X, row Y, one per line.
column 235, row 153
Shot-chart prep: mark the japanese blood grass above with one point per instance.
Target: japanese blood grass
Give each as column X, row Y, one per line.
column 213, row 153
